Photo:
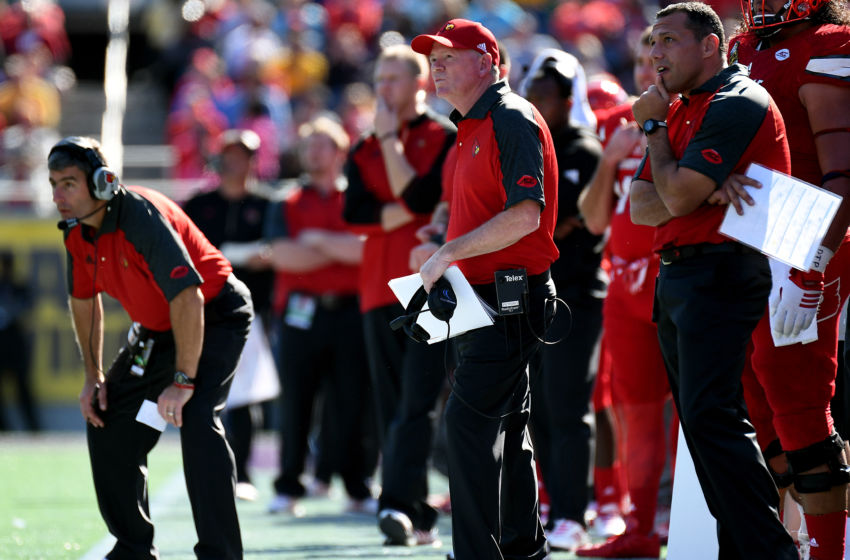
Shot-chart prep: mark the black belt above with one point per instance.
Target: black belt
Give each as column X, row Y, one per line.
column 674, row 254
column 332, row 302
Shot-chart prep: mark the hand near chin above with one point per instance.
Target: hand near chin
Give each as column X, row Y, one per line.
column 653, row 103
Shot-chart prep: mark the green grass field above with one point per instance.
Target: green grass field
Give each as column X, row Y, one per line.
column 48, row 509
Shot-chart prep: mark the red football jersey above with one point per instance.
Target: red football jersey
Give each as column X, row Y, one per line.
column 627, row 240
column 817, row 55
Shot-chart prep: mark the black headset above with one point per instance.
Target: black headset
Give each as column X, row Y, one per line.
column 441, row 302
column 103, row 183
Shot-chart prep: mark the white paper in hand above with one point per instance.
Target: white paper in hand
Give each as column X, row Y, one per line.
column 789, row 218
column 470, row 312
column 149, row 416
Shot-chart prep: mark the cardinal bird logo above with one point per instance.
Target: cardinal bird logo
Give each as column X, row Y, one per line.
column 711, row 156
column 527, row 181
column 179, row 272
column 449, row 27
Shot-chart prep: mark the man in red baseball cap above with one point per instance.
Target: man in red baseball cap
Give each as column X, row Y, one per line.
column 460, row 34
column 503, row 210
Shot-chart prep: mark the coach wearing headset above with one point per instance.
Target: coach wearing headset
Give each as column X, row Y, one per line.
column 191, row 318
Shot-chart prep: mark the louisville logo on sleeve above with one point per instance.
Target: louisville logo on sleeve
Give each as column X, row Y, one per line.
column 527, row 181
column 711, row 156
column 179, row 272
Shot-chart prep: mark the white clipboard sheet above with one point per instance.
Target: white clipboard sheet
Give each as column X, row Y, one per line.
column 788, row 221
column 470, row 312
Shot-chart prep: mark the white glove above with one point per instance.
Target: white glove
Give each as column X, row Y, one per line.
column 794, row 305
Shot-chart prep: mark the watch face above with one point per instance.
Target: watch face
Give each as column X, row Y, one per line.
column 649, row 126
column 183, row 379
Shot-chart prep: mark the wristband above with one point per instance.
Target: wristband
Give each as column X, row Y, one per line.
column 835, row 175
column 822, row 257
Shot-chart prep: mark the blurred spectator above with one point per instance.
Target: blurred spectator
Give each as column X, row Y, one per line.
column 499, row 16
column 357, row 109
column 24, row 23
column 25, row 97
column 524, row 44
column 250, row 42
column 263, row 106
column 412, row 17
column 362, row 15
column 193, row 131
column 301, row 21
column 317, row 262
column 30, row 111
column 231, row 217
column 15, row 302
column 206, row 71
column 599, row 29
column 349, row 57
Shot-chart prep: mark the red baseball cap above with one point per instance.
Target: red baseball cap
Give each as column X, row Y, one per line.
column 460, row 34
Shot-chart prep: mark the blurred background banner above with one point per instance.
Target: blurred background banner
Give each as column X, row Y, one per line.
column 39, row 265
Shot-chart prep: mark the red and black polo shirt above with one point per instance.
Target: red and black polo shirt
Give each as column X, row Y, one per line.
column 720, row 128
column 505, row 155
column 146, row 252
column 386, row 254
column 306, row 208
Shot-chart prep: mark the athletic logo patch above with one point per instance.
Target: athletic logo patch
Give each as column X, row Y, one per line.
column 449, row 27
column 711, row 156
column 179, row 272
column 782, row 54
column 476, row 147
column 527, row 181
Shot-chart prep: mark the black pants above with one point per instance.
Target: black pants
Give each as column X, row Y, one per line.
column 119, row 450
column 706, row 308
column 562, row 380
column 491, row 465
column 330, row 353
column 240, row 424
column 408, row 378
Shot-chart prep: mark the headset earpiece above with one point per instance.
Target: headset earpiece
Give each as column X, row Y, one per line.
column 441, row 303
column 104, row 183
column 441, row 300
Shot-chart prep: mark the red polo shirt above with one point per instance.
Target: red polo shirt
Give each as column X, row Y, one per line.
column 723, row 126
column 505, row 155
column 386, row 254
column 306, row 208
column 147, row 251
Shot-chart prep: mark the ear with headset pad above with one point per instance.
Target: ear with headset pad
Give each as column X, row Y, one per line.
column 441, row 302
column 103, row 183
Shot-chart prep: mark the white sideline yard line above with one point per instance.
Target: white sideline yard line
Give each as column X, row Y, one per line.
column 170, row 493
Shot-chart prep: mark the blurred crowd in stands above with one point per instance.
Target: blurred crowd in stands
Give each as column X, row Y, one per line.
column 272, row 65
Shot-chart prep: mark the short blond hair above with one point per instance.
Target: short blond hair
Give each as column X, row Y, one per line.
column 417, row 62
column 328, row 127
